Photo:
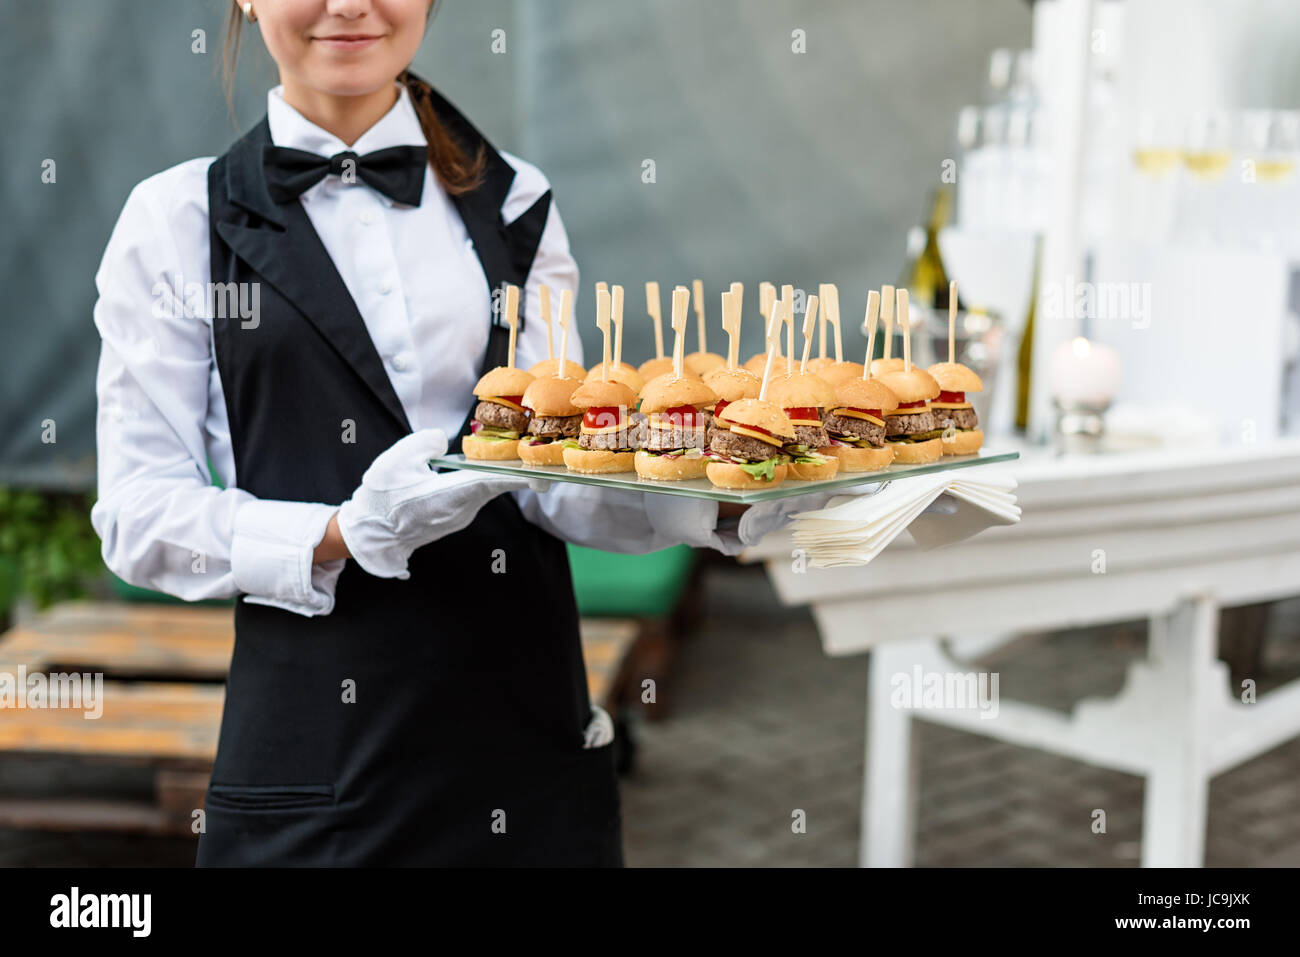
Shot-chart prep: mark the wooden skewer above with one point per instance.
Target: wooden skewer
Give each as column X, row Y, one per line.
column 731, row 325
column 616, row 317
column 566, row 313
column 887, row 317
column 698, row 287
column 905, row 326
column 873, row 315
column 809, row 325
column 824, row 296
column 787, row 316
column 773, row 340
column 544, row 294
column 952, row 321
column 831, row 310
column 738, row 294
column 602, row 323
column 652, row 307
column 681, row 302
column 512, row 317
column 766, row 296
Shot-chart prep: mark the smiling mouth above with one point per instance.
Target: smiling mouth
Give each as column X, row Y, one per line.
column 348, row 40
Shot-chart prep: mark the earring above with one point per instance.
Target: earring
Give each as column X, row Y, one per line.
column 249, row 14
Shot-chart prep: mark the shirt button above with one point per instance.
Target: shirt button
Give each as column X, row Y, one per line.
column 386, row 287
column 367, row 217
column 399, row 362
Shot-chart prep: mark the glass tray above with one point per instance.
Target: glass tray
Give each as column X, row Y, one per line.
column 703, row 488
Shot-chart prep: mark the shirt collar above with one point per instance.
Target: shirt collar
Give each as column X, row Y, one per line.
column 398, row 127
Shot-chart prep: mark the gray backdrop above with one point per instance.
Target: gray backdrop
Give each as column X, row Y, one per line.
column 770, row 165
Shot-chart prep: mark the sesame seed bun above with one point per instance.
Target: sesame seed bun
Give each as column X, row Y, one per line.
column 666, row 391
column 955, row 377
column 503, row 380
column 702, row 362
column 489, row 449
column 764, row 415
column 795, row 389
column 820, row 365
column 598, row 461
column 866, row 394
column 593, row 392
column 551, row 396
column 916, row 453
column 655, row 367
column 661, row 468
column 544, row 453
column 757, row 363
column 733, row 384
column 962, row 441
column 622, row 372
column 808, row 472
column 862, row 459
column 913, row 386
column 882, row 366
column 839, row 372
column 731, row 476
column 551, row 367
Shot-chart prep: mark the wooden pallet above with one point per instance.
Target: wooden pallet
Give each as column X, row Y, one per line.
column 164, row 667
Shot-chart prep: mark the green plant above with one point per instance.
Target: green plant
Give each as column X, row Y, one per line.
column 47, row 546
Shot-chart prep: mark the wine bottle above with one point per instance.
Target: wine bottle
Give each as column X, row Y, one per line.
column 1025, row 355
column 925, row 277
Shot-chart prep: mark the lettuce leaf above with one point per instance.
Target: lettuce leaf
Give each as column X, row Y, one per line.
column 496, row 435
column 765, row 470
column 570, row 443
column 811, row 459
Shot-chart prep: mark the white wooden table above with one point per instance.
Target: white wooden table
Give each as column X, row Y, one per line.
column 1171, row 536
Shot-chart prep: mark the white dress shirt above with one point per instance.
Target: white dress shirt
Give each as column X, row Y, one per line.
column 421, row 290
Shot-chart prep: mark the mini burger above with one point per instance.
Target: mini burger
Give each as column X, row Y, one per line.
column 746, row 449
column 910, row 427
column 551, row 367
column 622, row 372
column 730, row 385
column 554, row 419
column 675, row 429
column 857, row 425
column 805, row 398
column 653, row 368
column 500, row 417
column 954, row 416
column 837, row 373
column 605, row 442
column 881, row 367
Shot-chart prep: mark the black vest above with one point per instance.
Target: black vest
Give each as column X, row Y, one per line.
column 436, row 720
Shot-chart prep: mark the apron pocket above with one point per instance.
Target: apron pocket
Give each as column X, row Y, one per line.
column 270, row 797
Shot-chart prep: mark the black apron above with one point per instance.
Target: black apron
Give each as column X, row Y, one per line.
column 433, row 721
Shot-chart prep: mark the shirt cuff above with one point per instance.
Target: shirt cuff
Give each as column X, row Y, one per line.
column 271, row 556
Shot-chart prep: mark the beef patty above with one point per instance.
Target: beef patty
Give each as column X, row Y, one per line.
column 909, row 424
column 961, row 418
column 553, row 426
column 726, row 442
column 856, row 428
column 497, row 416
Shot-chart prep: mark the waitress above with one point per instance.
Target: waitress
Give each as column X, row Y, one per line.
column 407, row 685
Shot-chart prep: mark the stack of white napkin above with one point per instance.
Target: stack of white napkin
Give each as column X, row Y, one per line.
column 853, row 530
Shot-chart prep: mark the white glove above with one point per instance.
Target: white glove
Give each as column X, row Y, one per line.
column 402, row 504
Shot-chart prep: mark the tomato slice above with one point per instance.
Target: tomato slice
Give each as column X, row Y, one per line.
column 683, row 417
column 878, row 413
column 722, row 404
column 516, row 399
column 602, row 416
column 951, row 397
column 911, row 405
column 806, row 412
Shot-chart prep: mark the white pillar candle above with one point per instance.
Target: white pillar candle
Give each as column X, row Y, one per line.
column 1084, row 372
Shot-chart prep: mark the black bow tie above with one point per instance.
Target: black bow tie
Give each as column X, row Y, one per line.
column 397, row 172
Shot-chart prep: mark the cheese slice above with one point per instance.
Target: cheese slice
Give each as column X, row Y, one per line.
column 923, row 408
column 950, row 405
column 770, row 440
column 506, row 402
column 599, row 430
column 855, row 414
column 660, row 420
column 812, row 422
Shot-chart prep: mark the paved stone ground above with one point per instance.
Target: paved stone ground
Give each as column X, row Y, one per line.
column 764, row 724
